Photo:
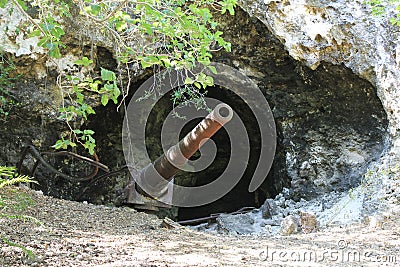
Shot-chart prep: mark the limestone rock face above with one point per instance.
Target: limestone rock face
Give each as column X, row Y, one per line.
column 345, row 32
column 341, row 32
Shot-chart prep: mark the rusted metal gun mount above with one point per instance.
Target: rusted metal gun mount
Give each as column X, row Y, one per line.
column 156, row 180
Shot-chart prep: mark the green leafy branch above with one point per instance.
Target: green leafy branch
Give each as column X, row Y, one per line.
column 105, row 86
column 381, row 7
column 179, row 34
column 170, row 34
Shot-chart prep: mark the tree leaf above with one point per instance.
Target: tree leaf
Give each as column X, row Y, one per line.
column 34, row 33
column 213, row 69
column 104, row 99
column 77, row 131
column 22, row 4
column 83, row 62
column 189, row 80
column 107, row 75
column 95, row 9
column 88, row 132
column 3, row 3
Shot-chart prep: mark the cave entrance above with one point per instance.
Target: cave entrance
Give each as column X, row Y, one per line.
column 330, row 127
column 239, row 196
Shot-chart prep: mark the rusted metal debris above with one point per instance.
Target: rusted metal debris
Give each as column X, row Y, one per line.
column 40, row 160
column 90, row 179
column 170, row 224
column 212, row 218
column 156, row 187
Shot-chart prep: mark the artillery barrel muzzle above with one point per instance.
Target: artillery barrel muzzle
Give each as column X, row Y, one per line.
column 155, row 177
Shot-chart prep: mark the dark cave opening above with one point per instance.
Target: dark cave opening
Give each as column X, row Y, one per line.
column 239, row 196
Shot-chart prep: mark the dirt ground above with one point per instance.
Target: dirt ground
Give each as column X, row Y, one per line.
column 66, row 233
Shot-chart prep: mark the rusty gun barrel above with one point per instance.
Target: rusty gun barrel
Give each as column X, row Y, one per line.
column 169, row 164
column 155, row 178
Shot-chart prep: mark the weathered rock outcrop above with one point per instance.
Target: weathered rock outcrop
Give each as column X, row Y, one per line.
column 345, row 33
column 340, row 32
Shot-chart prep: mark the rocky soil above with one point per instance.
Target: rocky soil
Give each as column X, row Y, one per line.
column 66, row 233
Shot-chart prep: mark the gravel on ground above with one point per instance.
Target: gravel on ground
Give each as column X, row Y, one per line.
column 67, row 233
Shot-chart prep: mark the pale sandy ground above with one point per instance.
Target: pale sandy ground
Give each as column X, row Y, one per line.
column 78, row 234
